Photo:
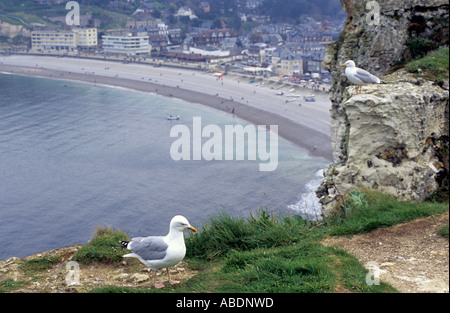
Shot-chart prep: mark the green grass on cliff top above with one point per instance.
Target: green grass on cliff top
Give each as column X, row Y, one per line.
column 275, row 253
column 271, row 253
column 434, row 66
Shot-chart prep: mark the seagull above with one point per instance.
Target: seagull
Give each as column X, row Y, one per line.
column 359, row 76
column 161, row 251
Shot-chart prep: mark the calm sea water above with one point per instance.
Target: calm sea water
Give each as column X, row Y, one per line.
column 74, row 156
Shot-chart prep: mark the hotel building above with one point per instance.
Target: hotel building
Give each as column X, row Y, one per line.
column 53, row 40
column 86, row 38
column 126, row 44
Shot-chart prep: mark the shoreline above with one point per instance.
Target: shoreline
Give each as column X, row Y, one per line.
column 195, row 87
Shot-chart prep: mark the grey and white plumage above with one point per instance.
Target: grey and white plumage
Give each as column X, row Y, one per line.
column 149, row 250
column 359, row 76
column 161, row 251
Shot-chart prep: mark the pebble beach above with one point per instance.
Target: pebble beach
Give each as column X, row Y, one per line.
column 260, row 102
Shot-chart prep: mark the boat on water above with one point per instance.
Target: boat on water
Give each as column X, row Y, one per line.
column 310, row 98
column 173, row 117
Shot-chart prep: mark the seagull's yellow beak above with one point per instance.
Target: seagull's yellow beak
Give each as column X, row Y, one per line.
column 192, row 229
column 343, row 65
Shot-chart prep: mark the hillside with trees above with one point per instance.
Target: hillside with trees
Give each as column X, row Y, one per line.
column 219, row 13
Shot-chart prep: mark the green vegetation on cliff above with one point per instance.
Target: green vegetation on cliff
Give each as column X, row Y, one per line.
column 266, row 252
column 27, row 13
column 104, row 247
column 433, row 66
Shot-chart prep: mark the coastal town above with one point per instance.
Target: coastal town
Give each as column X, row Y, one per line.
column 117, row 117
column 251, row 43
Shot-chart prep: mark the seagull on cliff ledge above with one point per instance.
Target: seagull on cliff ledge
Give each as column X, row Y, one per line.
column 359, row 76
column 161, row 251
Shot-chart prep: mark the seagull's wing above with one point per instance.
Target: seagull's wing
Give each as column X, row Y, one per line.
column 149, row 248
column 366, row 77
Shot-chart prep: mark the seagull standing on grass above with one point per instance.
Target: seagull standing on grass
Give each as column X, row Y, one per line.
column 359, row 76
column 161, row 251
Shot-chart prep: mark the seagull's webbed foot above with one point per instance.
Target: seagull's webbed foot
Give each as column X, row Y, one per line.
column 158, row 286
column 172, row 282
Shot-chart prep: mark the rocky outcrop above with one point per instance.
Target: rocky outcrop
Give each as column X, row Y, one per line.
column 378, row 46
column 378, row 42
column 391, row 140
column 392, row 137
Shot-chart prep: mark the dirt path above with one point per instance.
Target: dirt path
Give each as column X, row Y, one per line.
column 409, row 256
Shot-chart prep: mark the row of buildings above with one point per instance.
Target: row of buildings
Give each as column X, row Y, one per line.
column 77, row 39
column 86, row 40
column 288, row 50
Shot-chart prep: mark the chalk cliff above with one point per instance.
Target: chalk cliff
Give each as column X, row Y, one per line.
column 13, row 36
column 11, row 31
column 393, row 137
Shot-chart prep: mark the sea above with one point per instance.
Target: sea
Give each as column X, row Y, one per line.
column 75, row 156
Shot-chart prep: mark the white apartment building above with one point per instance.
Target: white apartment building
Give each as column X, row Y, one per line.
column 53, row 40
column 45, row 41
column 128, row 45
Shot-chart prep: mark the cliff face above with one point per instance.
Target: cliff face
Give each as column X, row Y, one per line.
column 9, row 32
column 391, row 140
column 392, row 137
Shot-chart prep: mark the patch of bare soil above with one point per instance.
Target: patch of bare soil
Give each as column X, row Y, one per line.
column 412, row 257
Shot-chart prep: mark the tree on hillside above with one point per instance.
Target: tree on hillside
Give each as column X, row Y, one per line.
column 282, row 10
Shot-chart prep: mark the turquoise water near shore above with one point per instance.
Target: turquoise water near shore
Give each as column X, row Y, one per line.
column 76, row 155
